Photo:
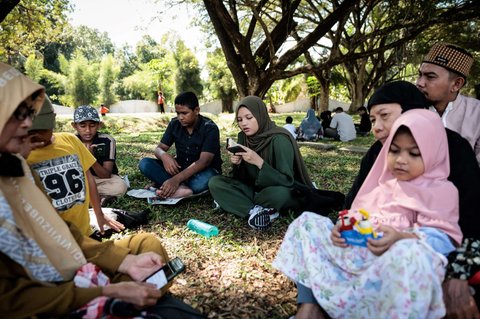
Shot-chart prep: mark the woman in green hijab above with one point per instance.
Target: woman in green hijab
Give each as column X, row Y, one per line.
column 264, row 175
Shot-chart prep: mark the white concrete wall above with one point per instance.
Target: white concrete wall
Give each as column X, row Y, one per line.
column 298, row 105
column 133, row 106
column 214, row 107
column 333, row 104
column 60, row 109
column 302, row 105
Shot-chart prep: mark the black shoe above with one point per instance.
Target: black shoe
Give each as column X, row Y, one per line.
column 132, row 219
column 261, row 218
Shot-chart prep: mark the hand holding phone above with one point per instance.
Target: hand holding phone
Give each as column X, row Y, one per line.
column 234, row 147
column 169, row 271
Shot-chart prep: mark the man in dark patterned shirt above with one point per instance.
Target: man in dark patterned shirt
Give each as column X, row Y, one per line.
column 197, row 145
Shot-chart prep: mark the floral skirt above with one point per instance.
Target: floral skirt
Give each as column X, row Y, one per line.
column 404, row 282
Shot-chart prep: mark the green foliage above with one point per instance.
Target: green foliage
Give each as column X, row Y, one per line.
column 64, row 45
column 140, row 85
column 148, row 49
column 91, row 43
column 287, row 90
column 338, row 89
column 188, row 70
column 220, row 81
column 56, row 83
column 29, row 25
column 81, row 81
column 108, row 74
column 34, row 68
column 151, row 69
column 164, row 73
column 127, row 60
column 314, row 87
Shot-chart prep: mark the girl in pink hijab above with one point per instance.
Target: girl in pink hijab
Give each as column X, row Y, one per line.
column 411, row 201
column 407, row 186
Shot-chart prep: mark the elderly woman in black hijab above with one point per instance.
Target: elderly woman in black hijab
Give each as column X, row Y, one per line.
column 265, row 173
column 385, row 106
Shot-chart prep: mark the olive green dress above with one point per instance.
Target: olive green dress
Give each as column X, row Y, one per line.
column 268, row 187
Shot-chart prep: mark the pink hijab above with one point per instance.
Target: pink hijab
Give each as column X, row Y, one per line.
column 429, row 200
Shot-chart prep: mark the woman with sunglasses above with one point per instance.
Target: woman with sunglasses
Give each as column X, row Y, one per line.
column 39, row 253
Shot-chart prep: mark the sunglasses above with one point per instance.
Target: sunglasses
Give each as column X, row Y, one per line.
column 23, row 111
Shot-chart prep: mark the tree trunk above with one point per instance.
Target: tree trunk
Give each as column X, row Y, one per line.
column 255, row 70
column 272, row 106
column 358, row 96
column 324, row 80
column 357, row 75
column 324, row 98
column 227, row 105
column 314, row 103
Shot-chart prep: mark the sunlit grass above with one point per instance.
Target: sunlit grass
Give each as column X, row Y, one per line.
column 228, row 276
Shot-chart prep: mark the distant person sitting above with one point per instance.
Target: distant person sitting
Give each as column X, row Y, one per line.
column 104, row 110
column 310, row 129
column 326, row 119
column 290, row 127
column 103, row 147
column 365, row 125
column 197, row 145
column 61, row 165
column 342, row 127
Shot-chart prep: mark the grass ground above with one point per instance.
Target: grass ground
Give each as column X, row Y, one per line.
column 229, row 276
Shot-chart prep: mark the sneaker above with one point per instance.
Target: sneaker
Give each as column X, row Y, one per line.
column 261, row 218
column 215, row 205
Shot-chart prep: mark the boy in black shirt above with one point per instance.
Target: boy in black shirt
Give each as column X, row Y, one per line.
column 197, row 144
column 103, row 146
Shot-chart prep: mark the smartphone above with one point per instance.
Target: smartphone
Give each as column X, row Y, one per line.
column 233, row 147
column 169, row 271
column 236, row 149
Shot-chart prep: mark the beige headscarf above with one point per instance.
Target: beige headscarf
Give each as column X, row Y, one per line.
column 32, row 232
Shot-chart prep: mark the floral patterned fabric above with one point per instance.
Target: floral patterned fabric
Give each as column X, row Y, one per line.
column 404, row 282
column 464, row 262
column 101, row 307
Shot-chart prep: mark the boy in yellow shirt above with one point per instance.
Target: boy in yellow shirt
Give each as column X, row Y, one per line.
column 61, row 165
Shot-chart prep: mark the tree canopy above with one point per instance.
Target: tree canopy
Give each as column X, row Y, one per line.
column 263, row 41
column 30, row 24
column 265, row 48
